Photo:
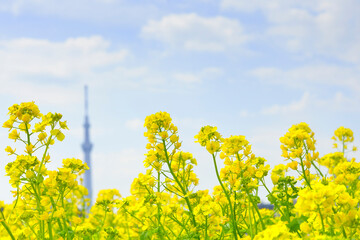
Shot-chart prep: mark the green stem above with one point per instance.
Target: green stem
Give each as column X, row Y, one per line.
column 344, row 233
column 43, row 157
column 304, row 174
column 278, row 208
column 256, row 209
column 255, row 222
column 7, row 229
column 206, row 226
column 103, row 223
column 50, row 230
column 183, row 225
column 312, row 162
column 127, row 226
column 302, row 167
column 322, row 220
column 235, row 230
column 28, row 135
column 16, row 201
column 159, row 210
column 180, row 185
column 55, row 208
column 250, row 222
column 64, row 221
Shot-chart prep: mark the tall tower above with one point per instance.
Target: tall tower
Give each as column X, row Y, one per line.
column 87, row 146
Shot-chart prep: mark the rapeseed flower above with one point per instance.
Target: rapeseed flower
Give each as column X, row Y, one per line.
column 164, row 202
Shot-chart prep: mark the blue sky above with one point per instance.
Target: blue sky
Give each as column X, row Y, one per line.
column 251, row 68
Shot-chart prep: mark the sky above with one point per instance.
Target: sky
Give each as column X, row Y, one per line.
column 251, row 68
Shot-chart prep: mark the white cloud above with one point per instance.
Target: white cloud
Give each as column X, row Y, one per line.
column 57, row 59
column 266, row 6
column 127, row 77
column 339, row 102
column 198, row 77
column 244, row 114
column 193, row 32
column 52, row 72
column 326, row 28
column 290, row 108
column 47, row 71
column 311, row 103
column 311, row 76
column 135, row 124
column 114, row 11
column 187, row 78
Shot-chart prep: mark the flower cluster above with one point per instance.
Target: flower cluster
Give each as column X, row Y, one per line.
column 330, row 209
column 165, row 203
column 298, row 146
column 342, row 138
column 332, row 160
column 209, row 137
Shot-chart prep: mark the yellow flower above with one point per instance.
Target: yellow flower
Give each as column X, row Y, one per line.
column 42, row 136
column 29, row 148
column 60, row 212
column 275, row 178
column 76, row 220
column 234, row 144
column 259, row 174
column 30, row 174
column 58, row 134
column 277, row 172
column 45, row 201
column 305, row 227
column 26, row 117
column 343, row 134
column 10, row 150
column 278, row 231
column 163, row 134
column 44, row 216
column 331, row 160
column 296, row 139
column 9, row 123
column 206, row 134
column 63, row 125
column 174, row 138
column 213, row 147
column 293, row 165
column 14, row 135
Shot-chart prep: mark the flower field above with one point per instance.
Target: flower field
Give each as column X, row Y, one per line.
column 314, row 197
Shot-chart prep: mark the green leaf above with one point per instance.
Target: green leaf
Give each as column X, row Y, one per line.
column 294, row 225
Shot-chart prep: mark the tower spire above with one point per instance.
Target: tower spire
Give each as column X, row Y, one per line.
column 86, row 99
column 87, row 146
